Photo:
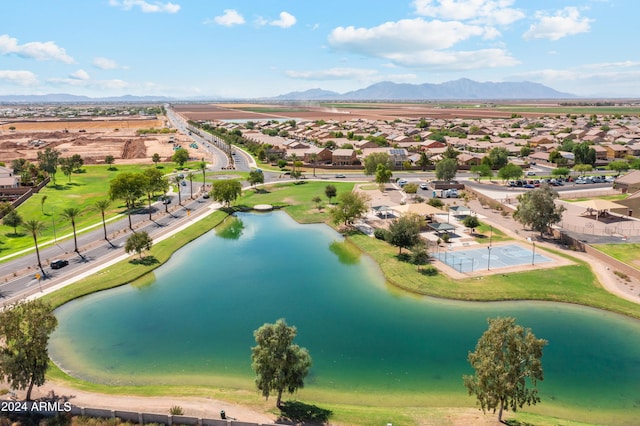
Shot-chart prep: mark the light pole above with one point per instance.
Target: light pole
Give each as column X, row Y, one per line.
column 490, row 235
column 533, row 252
column 489, row 259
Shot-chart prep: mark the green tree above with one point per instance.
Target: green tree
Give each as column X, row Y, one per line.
column 109, row 160
column 330, row 191
column 35, row 228
column 510, row 171
column 423, row 161
column 404, row 232
column 226, row 191
column 76, row 162
column 499, row 157
column 471, row 222
column 538, row 210
column 24, row 332
column 451, row 153
column 446, row 169
column 372, row 160
column 561, row 171
column 619, row 166
column 42, row 200
column 13, row 219
column 383, row 174
column 583, row 168
column 255, row 177
column 584, row 154
column 138, row 242
column 66, row 166
column 154, row 182
column 48, row 160
column 318, row 202
column 481, row 170
column 102, row 206
column 555, row 156
column 71, row 214
column 127, row 187
column 155, row 158
column 203, row 168
column 507, row 364
column 279, row 364
column 180, row 156
column 525, row 151
column 351, row 206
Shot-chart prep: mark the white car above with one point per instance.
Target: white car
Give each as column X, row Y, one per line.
column 424, row 186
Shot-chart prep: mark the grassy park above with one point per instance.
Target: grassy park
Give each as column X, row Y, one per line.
column 572, row 284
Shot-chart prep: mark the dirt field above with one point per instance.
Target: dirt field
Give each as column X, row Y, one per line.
column 347, row 111
column 92, row 139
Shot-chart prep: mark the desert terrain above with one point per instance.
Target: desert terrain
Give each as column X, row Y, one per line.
column 92, row 139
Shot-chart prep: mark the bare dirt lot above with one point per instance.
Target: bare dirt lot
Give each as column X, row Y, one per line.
column 342, row 111
column 92, row 139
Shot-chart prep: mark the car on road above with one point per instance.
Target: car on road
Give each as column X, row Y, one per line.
column 183, row 183
column 340, row 176
column 60, row 263
column 206, row 195
column 530, row 173
column 424, row 186
column 166, row 200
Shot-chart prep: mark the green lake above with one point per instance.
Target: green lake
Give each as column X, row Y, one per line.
column 195, row 323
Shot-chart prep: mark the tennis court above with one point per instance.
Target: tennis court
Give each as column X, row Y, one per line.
column 489, row 258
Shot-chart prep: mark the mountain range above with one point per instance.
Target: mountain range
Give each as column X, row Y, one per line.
column 462, row 89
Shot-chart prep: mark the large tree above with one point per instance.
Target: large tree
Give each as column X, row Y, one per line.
column 372, row 160
column 71, row 214
column 24, row 334
column 351, row 205
column 584, row 154
column 138, row 242
column 383, row 174
column 256, row 177
column 498, row 157
column 154, row 182
column 507, row 364
column 279, row 363
column 180, row 156
column 226, row 191
column 127, row 187
column 13, row 219
column 404, row 232
column 330, row 191
column 48, row 160
column 510, row 171
column 446, row 169
column 481, row 170
column 537, row 209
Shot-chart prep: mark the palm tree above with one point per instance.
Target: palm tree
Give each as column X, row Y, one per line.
column 35, row 227
column 72, row 214
column 314, row 158
column 177, row 179
column 203, row 168
column 102, row 206
column 190, row 176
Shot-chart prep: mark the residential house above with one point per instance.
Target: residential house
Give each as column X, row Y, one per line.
column 8, row 179
column 615, row 151
column 344, row 157
column 628, row 183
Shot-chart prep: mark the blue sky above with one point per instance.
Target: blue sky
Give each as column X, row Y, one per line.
column 258, row 48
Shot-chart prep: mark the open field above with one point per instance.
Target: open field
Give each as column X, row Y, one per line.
column 384, row 111
column 92, row 139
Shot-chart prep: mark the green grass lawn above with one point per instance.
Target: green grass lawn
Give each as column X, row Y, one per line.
column 82, row 191
column 628, row 253
column 616, row 197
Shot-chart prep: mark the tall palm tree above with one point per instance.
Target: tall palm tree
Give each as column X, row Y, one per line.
column 314, row 158
column 177, row 179
column 203, row 169
column 190, row 176
column 102, row 206
column 35, row 227
column 72, row 214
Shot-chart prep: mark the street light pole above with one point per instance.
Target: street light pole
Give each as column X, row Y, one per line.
column 489, row 259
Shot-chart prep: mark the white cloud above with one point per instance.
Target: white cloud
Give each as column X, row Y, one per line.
column 21, row 78
column 286, row 20
column 492, row 12
column 231, row 17
column 563, row 23
column 106, row 64
column 88, row 83
column 40, row 51
column 420, row 43
column 332, row 74
column 80, row 75
column 146, row 7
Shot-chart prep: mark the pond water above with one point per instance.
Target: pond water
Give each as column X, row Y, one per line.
column 195, row 323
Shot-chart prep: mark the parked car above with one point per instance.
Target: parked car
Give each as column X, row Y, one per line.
column 424, row 186
column 60, row 263
column 530, row 173
column 206, row 195
column 340, row 176
column 451, row 193
column 183, row 183
column 528, row 185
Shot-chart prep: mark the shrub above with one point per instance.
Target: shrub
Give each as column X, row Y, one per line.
column 380, row 234
column 410, row 188
column 435, row 202
column 429, row 271
column 176, row 410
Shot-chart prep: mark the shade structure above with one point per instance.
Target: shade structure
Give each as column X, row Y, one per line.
column 599, row 205
column 419, row 209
